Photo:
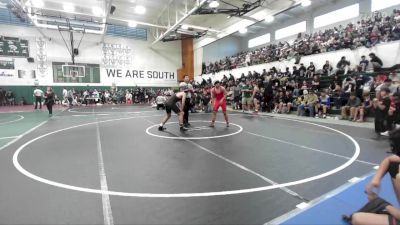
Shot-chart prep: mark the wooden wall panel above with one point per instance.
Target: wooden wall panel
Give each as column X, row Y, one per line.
column 187, row 59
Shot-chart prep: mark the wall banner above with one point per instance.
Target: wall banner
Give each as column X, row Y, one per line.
column 133, row 77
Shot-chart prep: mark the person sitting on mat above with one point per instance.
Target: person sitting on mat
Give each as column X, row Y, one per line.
column 218, row 99
column 171, row 105
column 380, row 211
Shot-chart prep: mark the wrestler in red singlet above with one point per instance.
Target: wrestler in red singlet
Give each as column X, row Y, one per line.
column 218, row 95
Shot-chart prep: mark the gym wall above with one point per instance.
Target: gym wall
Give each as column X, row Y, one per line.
column 153, row 66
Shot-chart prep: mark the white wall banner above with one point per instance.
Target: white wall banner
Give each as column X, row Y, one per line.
column 17, row 77
column 133, row 77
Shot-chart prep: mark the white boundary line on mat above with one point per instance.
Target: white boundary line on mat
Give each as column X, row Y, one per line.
column 13, row 121
column 19, row 167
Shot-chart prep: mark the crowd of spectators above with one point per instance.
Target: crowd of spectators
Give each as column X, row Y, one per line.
column 353, row 93
column 8, row 98
column 137, row 95
column 368, row 32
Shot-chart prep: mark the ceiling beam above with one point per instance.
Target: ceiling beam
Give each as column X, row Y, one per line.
column 108, row 6
column 163, row 10
column 173, row 27
column 139, row 22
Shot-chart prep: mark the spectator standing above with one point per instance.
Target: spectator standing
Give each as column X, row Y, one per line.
column 70, row 97
column 246, row 96
column 256, row 96
column 236, row 97
column 65, row 95
column 375, row 61
column 2, row 97
column 302, row 70
column 38, row 94
column 342, row 66
column 381, row 106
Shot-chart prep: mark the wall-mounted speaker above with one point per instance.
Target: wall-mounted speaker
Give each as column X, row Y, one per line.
column 30, row 59
column 112, row 10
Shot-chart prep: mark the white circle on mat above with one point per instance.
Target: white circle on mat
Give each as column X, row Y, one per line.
column 196, row 138
column 12, row 121
column 179, row 195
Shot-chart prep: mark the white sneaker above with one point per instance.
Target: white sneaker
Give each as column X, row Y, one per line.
column 386, row 133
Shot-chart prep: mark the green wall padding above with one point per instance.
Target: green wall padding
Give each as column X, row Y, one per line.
column 27, row 91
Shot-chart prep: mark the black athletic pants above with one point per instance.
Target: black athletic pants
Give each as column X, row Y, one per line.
column 50, row 108
column 38, row 100
column 186, row 111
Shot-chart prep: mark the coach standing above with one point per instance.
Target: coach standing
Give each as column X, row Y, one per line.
column 185, row 84
column 38, row 94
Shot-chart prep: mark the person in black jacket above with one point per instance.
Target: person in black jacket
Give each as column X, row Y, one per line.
column 342, row 66
column 49, row 101
column 381, row 106
column 268, row 96
column 375, row 61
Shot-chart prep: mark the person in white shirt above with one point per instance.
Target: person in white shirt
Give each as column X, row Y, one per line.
column 65, row 95
column 128, row 97
column 38, row 94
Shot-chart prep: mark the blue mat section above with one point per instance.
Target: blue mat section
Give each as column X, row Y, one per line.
column 330, row 211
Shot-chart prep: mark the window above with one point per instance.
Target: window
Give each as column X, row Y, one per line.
column 339, row 15
column 383, row 4
column 127, row 32
column 290, row 30
column 263, row 39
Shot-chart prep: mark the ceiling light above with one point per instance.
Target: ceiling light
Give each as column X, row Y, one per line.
column 38, row 3
column 139, row 9
column 213, row 4
column 243, row 30
column 184, row 26
column 306, row 3
column 269, row 19
column 97, row 11
column 132, row 24
column 68, row 7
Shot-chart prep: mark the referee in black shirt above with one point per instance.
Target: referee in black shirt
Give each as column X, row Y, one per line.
column 186, row 83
